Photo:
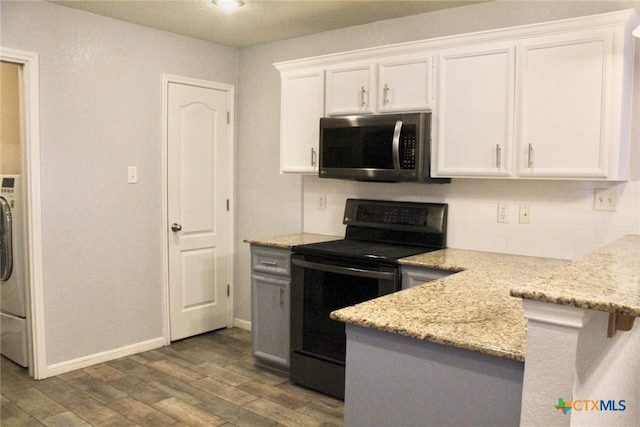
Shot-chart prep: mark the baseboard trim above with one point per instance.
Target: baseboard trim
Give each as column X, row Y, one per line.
column 106, row 356
column 242, row 324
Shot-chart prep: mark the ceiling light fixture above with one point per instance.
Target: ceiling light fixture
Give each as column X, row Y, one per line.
column 228, row 4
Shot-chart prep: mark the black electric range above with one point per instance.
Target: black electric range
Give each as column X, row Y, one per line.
column 327, row 276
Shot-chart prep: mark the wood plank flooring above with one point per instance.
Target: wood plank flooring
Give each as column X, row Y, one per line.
column 208, row 380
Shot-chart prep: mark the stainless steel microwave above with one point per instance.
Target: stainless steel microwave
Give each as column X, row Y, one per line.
column 381, row 147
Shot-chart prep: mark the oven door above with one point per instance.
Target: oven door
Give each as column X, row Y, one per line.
column 320, row 285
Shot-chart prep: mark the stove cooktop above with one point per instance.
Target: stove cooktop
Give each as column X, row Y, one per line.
column 361, row 250
column 385, row 231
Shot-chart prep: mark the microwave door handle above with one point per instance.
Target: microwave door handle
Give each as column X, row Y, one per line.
column 396, row 145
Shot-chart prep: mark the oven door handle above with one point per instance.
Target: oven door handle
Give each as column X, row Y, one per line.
column 371, row 274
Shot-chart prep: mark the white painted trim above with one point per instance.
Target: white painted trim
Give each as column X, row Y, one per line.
column 230, row 89
column 433, row 45
column 31, row 177
column 105, row 356
column 555, row 314
column 242, row 324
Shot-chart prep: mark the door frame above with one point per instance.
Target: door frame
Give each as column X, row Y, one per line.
column 230, row 89
column 30, row 152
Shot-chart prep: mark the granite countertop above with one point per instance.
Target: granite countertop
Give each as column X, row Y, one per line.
column 605, row 280
column 289, row 240
column 475, row 308
column 471, row 309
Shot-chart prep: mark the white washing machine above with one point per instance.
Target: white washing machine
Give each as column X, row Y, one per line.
column 13, row 286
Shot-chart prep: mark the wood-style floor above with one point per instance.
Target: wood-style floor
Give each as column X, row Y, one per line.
column 208, row 380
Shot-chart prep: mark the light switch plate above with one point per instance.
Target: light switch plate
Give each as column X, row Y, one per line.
column 605, row 200
column 132, row 175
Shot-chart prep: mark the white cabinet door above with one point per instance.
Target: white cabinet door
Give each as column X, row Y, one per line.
column 564, row 104
column 474, row 115
column 405, row 83
column 302, row 105
column 349, row 89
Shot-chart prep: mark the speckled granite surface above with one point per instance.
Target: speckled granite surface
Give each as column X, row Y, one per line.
column 290, row 240
column 606, row 280
column 471, row 309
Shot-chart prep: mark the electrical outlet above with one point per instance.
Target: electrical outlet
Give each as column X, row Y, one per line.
column 525, row 214
column 605, row 200
column 322, row 202
column 503, row 213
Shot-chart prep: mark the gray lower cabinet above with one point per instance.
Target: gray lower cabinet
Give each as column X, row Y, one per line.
column 413, row 276
column 270, row 281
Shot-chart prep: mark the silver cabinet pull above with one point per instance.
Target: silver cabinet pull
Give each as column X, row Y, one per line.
column 269, row 263
column 363, row 93
column 281, row 297
column 530, row 156
column 314, row 157
column 176, row 227
column 498, row 156
column 385, row 94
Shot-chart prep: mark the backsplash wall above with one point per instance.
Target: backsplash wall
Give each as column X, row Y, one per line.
column 563, row 222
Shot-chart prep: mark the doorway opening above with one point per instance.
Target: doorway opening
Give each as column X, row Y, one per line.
column 20, row 165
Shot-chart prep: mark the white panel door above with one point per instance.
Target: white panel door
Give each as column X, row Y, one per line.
column 199, row 153
column 350, row 89
column 564, row 101
column 405, row 84
column 474, row 118
column 301, row 109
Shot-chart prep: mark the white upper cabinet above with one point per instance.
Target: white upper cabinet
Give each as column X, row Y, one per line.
column 550, row 100
column 350, row 89
column 405, row 83
column 475, row 112
column 302, row 95
column 566, row 124
column 390, row 84
column 546, row 107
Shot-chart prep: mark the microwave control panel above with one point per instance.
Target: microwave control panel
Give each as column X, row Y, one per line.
column 408, row 151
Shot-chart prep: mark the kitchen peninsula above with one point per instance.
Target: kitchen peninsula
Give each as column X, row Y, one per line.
column 398, row 373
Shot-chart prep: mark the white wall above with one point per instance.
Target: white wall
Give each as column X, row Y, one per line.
column 100, row 110
column 563, row 222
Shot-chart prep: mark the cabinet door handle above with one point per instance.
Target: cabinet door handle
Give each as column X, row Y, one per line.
column 269, row 263
column 530, row 156
column 363, row 93
column 314, row 157
column 281, row 297
column 385, row 94
column 498, row 156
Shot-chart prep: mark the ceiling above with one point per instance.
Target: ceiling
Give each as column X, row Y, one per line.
column 259, row 21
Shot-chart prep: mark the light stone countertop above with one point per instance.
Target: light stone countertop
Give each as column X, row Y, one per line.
column 290, row 240
column 471, row 309
column 605, row 280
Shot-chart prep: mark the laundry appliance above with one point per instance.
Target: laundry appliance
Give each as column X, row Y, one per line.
column 13, row 286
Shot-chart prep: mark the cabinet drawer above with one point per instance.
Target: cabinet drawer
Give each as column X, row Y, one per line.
column 274, row 261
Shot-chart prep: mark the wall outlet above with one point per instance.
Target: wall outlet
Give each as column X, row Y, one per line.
column 503, row 213
column 322, row 202
column 605, row 200
column 525, row 214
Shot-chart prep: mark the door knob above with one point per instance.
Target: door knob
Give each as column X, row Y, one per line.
column 176, row 227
